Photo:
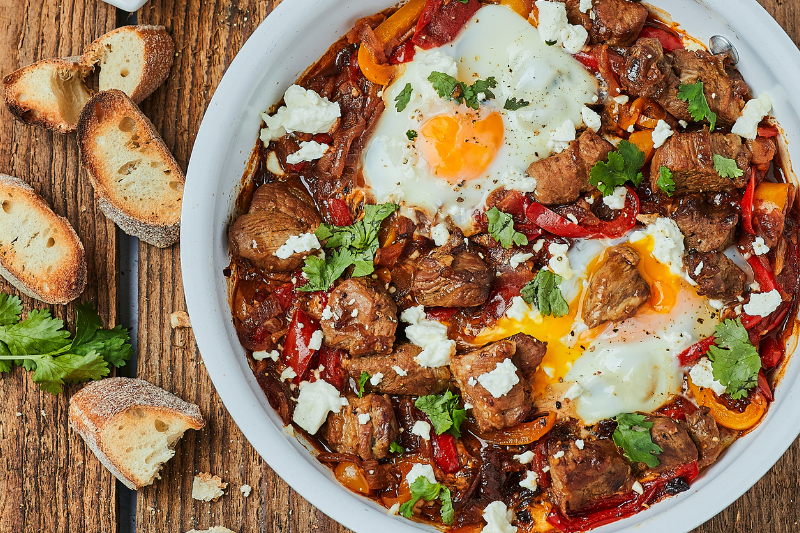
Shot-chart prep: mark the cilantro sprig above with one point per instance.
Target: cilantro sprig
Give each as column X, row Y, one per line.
column 512, row 104
column 443, row 412
column 411, row 134
column 402, row 99
column 623, row 165
column 665, row 181
column 725, row 167
column 633, row 436
column 734, row 360
column 362, row 380
column 422, row 489
column 544, row 292
column 355, row 244
column 501, row 228
column 447, row 86
column 698, row 105
column 40, row 343
column 396, row 448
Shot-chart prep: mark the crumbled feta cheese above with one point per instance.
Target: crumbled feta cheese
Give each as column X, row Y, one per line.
column 661, row 133
column 315, row 401
column 394, row 509
column 309, row 151
column 420, row 470
column 421, row 429
column 559, row 262
column 413, row 315
column 327, row 314
column 288, row 373
column 616, row 200
column 245, row 489
column 759, row 246
column 525, row 458
column 537, row 246
column 519, row 310
column 559, row 454
column 472, row 381
column 354, row 314
column 316, row 340
column 637, row 487
column 552, row 19
column 572, row 218
column 258, row 356
column 703, row 376
column 545, row 469
column 573, row 37
column 621, row 100
column 754, row 111
column 375, row 379
column 296, row 244
column 305, row 111
column 716, row 304
column 517, row 181
column 530, row 481
column 500, row 380
column 467, row 405
column 591, row 119
column 698, row 269
column 399, row 371
column 561, row 136
column 631, row 128
column 498, row 517
column 363, row 418
column 683, row 123
column 429, row 335
column 518, row 259
column 585, row 6
column 763, row 303
column 668, row 243
column 574, row 391
column 440, row 234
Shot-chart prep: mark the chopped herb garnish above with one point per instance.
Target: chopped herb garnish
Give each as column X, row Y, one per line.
column 734, row 360
column 443, row 412
column 402, row 99
column 447, row 86
column 623, row 165
column 665, row 181
column 550, row 43
column 501, row 227
column 727, row 168
column 422, row 489
column 512, row 104
column 411, row 134
column 362, row 380
column 396, row 448
column 698, row 105
column 633, row 436
column 545, row 294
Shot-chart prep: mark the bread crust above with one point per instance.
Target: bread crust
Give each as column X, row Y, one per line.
column 67, row 279
column 161, row 227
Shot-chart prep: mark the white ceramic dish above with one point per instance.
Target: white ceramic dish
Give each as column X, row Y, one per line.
column 127, row 5
column 293, row 37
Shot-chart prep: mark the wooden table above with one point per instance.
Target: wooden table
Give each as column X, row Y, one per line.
column 49, row 481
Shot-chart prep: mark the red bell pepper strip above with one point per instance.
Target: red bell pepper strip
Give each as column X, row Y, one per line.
column 767, row 131
column 763, row 386
column 762, row 274
column 669, row 41
column 296, row 353
column 747, row 204
column 678, row 408
column 285, row 295
column 606, row 71
column 588, row 60
column 441, row 21
column 445, row 453
column 402, row 53
column 331, row 360
column 700, row 348
column 339, row 213
column 440, row 314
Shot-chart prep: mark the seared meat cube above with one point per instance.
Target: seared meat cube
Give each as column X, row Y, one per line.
column 769, row 214
column 279, row 210
column 616, row 290
column 412, row 379
column 705, row 227
column 704, row 432
column 762, row 150
column 617, row 22
column 581, row 476
column 451, row 276
column 499, row 258
column 562, row 177
column 363, row 318
column 676, row 445
column 647, row 72
column 345, row 433
column 492, row 412
column 529, row 352
column 716, row 276
column 690, row 158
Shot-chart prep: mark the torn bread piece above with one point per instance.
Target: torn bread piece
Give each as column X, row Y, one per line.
column 206, row 487
column 179, row 319
column 40, row 253
column 132, row 426
column 138, row 183
column 50, row 93
column 133, row 59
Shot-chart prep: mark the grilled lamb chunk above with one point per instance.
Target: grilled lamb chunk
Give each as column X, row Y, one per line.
column 763, row 150
column 581, row 476
column 647, row 71
column 690, row 158
column 676, row 445
column 716, row 276
column 490, row 412
column 451, row 276
column 498, row 259
column 704, row 432
column 364, row 317
column 529, row 352
column 616, row 290
column 417, row 381
column 562, row 177
column 617, row 22
column 371, row 440
column 279, row 210
column 705, row 227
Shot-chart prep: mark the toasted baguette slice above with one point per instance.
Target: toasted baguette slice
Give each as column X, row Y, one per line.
column 40, row 253
column 133, row 59
column 138, row 183
column 50, row 93
column 131, row 426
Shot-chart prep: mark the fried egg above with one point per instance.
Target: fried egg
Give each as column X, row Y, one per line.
column 460, row 154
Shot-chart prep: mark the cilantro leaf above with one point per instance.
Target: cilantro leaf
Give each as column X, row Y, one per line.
column 544, row 292
column 443, row 412
column 550, row 43
column 463, row 1
column 362, row 380
column 512, row 104
column 396, row 448
column 411, row 134
column 422, row 489
column 321, row 273
column 446, row 85
column 501, row 227
column 443, row 84
column 5, row 366
column 10, row 309
column 623, row 165
column 38, row 333
column 727, row 168
column 734, row 361
column 665, row 181
column 633, row 436
column 446, row 511
column 698, row 105
column 402, row 99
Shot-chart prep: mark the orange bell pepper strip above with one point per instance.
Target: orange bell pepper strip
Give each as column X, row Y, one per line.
column 394, row 27
column 726, row 417
column 644, row 142
column 774, row 193
column 521, row 434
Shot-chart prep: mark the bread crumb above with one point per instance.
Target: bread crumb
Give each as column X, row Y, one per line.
column 245, row 490
column 179, row 319
column 207, row 487
column 19, row 414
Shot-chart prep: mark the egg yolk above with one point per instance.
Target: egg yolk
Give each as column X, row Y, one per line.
column 664, row 285
column 461, row 146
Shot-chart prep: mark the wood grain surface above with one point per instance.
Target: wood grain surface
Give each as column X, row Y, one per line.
column 48, row 480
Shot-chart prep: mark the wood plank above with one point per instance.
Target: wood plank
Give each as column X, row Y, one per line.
column 48, row 480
